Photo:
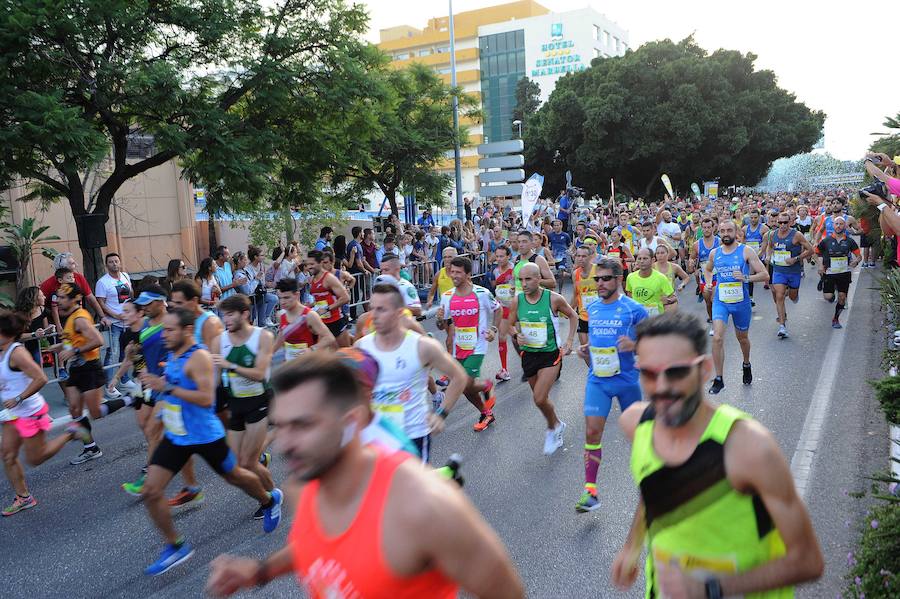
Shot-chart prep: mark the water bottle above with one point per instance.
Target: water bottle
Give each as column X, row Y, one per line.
column 450, row 470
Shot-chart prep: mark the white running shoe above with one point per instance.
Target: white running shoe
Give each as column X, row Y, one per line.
column 112, row 393
column 711, row 332
column 555, row 438
column 782, row 331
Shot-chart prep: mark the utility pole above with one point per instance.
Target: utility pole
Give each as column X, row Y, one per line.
column 460, row 211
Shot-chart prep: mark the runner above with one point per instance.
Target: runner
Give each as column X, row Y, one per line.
column 735, row 265
column 401, row 392
column 838, row 256
column 186, row 294
column 527, row 254
column 789, row 249
column 329, row 295
column 533, row 315
column 718, row 509
column 650, row 287
column 442, row 284
column 699, row 256
column 609, row 355
column 619, row 250
column 752, row 235
column 438, row 540
column 24, row 412
column 671, row 270
column 471, row 307
column 186, row 399
column 504, row 288
column 80, row 353
column 300, row 328
column 390, row 266
column 584, row 289
column 242, row 355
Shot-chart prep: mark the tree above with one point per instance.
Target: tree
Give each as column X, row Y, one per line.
column 414, row 123
column 667, row 108
column 888, row 143
column 82, row 82
column 528, row 100
column 22, row 240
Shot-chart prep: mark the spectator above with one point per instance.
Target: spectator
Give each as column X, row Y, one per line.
column 340, row 252
column 290, row 264
column 426, row 220
column 175, row 271
column 263, row 301
column 388, row 247
column 324, row 239
column 206, row 280
column 31, row 305
column 355, row 261
column 370, row 250
column 51, row 285
column 113, row 290
column 224, row 272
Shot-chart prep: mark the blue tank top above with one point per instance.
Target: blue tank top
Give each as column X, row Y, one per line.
column 153, row 347
column 786, row 244
column 187, row 423
column 703, row 251
column 198, row 326
column 725, row 265
column 829, row 226
column 608, row 322
column 751, row 235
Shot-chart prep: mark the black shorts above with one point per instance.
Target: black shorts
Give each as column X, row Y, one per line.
column 337, row 327
column 222, row 398
column 173, row 457
column 87, row 377
column 841, row 282
column 533, row 361
column 864, row 241
column 248, row 410
column 582, row 326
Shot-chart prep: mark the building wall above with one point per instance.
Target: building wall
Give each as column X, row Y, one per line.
column 151, row 222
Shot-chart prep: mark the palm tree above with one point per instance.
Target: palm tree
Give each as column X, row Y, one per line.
column 22, row 240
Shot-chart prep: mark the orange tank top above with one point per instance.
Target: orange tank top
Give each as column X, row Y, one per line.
column 323, row 297
column 352, row 565
column 76, row 339
column 585, row 292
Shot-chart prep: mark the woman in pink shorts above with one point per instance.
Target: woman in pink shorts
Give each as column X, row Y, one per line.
column 24, row 414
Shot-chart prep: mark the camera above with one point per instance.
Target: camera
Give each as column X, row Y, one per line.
column 877, row 188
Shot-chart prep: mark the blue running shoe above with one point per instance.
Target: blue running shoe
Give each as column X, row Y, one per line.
column 273, row 513
column 170, row 557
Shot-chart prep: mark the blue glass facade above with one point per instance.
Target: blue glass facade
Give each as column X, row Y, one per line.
column 502, row 58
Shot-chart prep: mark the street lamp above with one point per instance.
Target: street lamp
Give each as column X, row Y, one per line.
column 456, row 160
column 518, row 123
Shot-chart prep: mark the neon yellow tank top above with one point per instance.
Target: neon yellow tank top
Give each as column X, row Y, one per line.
column 695, row 516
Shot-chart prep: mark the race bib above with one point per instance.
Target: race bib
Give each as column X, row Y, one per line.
column 754, row 245
column 652, row 310
column 780, row 257
column 466, row 337
column 244, row 387
column 535, row 334
column 731, row 293
column 294, row 350
column 605, row 361
column 392, row 412
column 839, row 265
column 172, row 420
column 505, row 293
column 696, row 566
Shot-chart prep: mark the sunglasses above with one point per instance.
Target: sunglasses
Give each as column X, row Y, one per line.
column 784, row 222
column 675, row 372
column 604, row 278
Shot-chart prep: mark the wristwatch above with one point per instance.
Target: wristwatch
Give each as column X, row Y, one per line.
column 441, row 412
column 713, row 588
column 18, row 399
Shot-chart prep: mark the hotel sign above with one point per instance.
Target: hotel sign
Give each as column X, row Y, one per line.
column 557, row 56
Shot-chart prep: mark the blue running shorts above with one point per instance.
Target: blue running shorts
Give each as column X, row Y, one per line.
column 741, row 314
column 791, row 279
column 599, row 393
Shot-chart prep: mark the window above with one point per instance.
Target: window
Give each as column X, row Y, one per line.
column 443, row 71
column 597, row 32
column 502, row 65
column 618, row 45
column 425, row 52
column 597, row 53
column 606, row 38
column 442, row 49
column 401, row 56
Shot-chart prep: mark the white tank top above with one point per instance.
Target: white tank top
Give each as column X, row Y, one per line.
column 401, row 391
column 13, row 383
column 206, row 288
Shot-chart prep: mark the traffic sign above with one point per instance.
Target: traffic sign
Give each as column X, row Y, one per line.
column 507, row 176
column 501, row 147
column 492, row 191
column 513, row 161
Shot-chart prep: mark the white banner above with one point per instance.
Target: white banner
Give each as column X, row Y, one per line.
column 531, row 194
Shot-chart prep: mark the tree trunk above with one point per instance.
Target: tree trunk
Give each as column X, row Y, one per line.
column 288, row 222
column 211, row 233
column 392, row 200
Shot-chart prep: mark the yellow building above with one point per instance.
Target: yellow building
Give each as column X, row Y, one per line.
column 495, row 47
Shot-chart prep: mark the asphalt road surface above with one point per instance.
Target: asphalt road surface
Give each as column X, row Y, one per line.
column 87, row 538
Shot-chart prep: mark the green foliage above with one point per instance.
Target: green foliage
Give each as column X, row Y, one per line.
column 887, row 392
column 22, row 240
column 888, row 143
column 875, row 565
column 266, row 228
column 414, row 124
column 667, row 108
column 528, row 100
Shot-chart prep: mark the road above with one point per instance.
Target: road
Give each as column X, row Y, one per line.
column 89, row 539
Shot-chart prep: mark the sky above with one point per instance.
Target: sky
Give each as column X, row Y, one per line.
column 823, row 54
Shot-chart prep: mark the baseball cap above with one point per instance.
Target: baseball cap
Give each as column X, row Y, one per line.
column 147, row 297
column 387, row 280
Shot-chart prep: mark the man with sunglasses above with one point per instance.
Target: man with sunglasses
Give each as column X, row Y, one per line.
column 789, row 248
column 609, row 355
column 718, row 507
column 736, row 266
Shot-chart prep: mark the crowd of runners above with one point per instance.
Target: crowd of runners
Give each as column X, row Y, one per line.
column 356, row 406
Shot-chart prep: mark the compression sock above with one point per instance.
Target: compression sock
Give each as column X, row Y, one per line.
column 838, row 308
column 503, row 348
column 111, row 406
column 751, row 289
column 592, row 456
column 86, row 423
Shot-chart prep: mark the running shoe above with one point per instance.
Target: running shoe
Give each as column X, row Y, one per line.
column 503, row 375
column 588, row 502
column 717, row 385
column 86, row 455
column 170, row 557
column 265, row 459
column 112, row 393
column 836, row 324
column 443, row 381
column 555, row 438
column 272, row 514
column 260, row 513
column 748, row 374
column 19, row 503
column 186, row 497
column 484, row 421
column 782, row 332
column 752, row 303
column 137, row 487
column 79, row 432
column 489, row 398
column 712, row 331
